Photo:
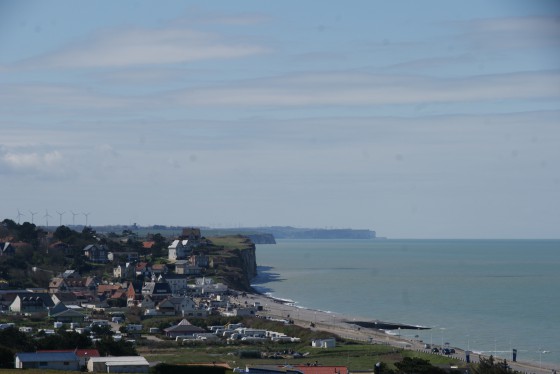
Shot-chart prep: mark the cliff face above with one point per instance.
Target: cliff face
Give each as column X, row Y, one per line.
column 235, row 261
column 262, row 238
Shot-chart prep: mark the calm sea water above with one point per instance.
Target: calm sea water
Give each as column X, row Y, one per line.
column 486, row 295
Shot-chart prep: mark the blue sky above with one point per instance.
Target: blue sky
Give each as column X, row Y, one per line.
column 433, row 119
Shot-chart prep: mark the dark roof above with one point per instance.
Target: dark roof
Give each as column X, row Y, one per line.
column 46, row 356
column 175, row 276
column 44, row 297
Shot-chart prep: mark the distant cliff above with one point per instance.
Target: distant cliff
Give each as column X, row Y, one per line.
column 287, row 232
column 267, row 235
column 262, row 238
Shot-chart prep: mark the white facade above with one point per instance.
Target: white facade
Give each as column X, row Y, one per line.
column 179, row 249
column 324, row 343
column 122, row 364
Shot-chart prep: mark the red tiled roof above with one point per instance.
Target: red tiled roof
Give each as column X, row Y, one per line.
column 78, row 352
column 322, row 369
column 148, row 245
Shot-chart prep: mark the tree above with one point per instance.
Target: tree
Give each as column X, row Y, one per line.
column 63, row 233
column 415, row 365
column 108, row 347
column 489, row 366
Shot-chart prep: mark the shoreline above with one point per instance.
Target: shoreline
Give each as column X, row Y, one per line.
column 372, row 331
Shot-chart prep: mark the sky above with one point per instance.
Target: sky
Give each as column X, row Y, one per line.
column 431, row 119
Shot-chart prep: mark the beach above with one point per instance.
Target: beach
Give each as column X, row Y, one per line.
column 348, row 327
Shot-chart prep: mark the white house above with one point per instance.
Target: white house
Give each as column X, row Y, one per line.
column 120, row 364
column 177, row 283
column 179, row 249
column 324, row 343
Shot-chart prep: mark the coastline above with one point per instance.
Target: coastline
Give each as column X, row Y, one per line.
column 372, row 332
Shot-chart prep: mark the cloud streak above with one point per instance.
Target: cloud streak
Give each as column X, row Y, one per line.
column 143, row 46
column 357, row 89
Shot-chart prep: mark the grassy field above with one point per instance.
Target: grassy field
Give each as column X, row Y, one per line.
column 357, row 357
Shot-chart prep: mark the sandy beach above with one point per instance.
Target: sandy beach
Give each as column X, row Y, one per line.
column 348, row 327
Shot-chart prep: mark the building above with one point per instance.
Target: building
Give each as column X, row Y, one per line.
column 7, row 249
column 185, row 267
column 47, row 360
column 156, row 290
column 324, row 343
column 97, row 253
column 83, row 354
column 119, row 364
column 191, row 233
column 179, row 249
column 183, row 328
column 183, row 305
column 123, row 270
column 177, row 283
column 31, row 303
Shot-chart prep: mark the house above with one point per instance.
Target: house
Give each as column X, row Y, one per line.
column 118, row 364
column 68, row 298
column 324, row 343
column 179, row 249
column 47, row 360
column 177, row 283
column 7, row 249
column 185, row 267
column 156, row 290
column 184, row 306
column 206, row 286
column 58, row 285
column 31, row 303
column 143, row 269
column 105, row 291
column 183, row 328
column 124, row 270
column 191, row 233
column 70, row 274
column 147, row 245
column 83, row 354
column 97, row 253
column 68, row 316
column 159, row 269
column 202, row 260
column 73, row 283
column 134, row 293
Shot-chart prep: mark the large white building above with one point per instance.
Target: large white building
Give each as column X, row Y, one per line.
column 120, row 364
column 179, row 249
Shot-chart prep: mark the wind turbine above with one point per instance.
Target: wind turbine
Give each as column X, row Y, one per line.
column 74, row 218
column 47, row 215
column 19, row 215
column 32, row 215
column 60, row 217
column 87, row 215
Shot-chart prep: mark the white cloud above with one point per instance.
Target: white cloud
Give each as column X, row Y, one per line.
column 30, row 162
column 143, row 46
column 351, row 89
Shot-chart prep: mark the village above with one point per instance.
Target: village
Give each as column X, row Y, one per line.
column 117, row 306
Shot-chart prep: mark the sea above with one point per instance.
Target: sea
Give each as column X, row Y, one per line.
column 487, row 296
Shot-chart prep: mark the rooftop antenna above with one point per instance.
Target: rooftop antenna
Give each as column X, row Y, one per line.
column 47, row 215
column 87, row 215
column 32, row 216
column 60, row 217
column 19, row 215
column 74, row 218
